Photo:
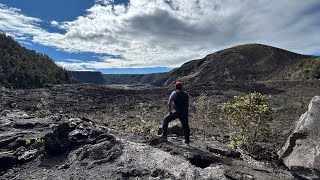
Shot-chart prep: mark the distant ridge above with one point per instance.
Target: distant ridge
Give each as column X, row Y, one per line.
column 23, row 68
column 93, row 77
column 96, row 77
column 249, row 62
column 132, row 78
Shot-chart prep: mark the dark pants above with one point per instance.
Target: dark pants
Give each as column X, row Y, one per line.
column 183, row 117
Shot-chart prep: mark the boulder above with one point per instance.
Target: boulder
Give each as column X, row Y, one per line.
column 7, row 160
column 57, row 142
column 301, row 151
column 95, row 154
column 174, row 127
column 70, row 134
column 28, row 155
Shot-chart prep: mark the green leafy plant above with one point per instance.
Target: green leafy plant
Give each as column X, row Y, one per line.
column 248, row 117
column 28, row 141
column 36, row 140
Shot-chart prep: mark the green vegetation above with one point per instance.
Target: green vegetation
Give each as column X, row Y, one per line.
column 28, row 141
column 206, row 117
column 36, row 140
column 23, row 68
column 43, row 108
column 141, row 121
column 144, row 124
column 203, row 112
column 306, row 69
column 249, row 119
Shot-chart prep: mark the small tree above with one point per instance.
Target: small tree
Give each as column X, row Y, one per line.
column 43, row 108
column 204, row 112
column 248, row 118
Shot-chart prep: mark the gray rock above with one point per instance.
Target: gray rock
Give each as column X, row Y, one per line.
column 25, row 123
column 301, row 152
column 70, row 134
column 90, row 155
column 174, row 127
column 28, row 155
column 5, row 122
column 17, row 143
column 16, row 114
column 87, row 150
column 57, row 142
column 225, row 152
column 7, row 140
column 7, row 160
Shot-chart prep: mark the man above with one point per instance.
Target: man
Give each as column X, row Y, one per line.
column 178, row 105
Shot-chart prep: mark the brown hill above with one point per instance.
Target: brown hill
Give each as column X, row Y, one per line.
column 250, row 62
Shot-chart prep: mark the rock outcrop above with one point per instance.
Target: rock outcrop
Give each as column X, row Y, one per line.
column 174, row 127
column 301, row 152
column 60, row 147
column 94, row 77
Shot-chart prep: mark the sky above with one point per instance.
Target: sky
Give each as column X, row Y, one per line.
column 146, row 36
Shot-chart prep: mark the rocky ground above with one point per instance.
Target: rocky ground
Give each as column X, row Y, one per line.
column 94, row 141
column 72, row 148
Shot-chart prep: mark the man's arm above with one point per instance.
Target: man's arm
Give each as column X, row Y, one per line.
column 170, row 101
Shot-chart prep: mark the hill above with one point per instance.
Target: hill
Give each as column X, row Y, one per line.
column 93, row 77
column 250, row 62
column 306, row 69
column 23, row 68
column 132, row 78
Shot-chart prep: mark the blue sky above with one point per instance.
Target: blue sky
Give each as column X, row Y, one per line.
column 146, row 36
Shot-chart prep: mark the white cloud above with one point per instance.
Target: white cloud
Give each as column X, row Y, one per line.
column 27, row 43
column 54, row 23
column 149, row 33
column 18, row 25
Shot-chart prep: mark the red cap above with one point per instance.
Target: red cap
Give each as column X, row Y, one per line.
column 178, row 85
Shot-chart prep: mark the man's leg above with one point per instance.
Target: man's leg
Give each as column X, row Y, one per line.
column 185, row 125
column 166, row 120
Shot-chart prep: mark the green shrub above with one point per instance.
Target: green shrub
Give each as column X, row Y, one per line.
column 248, row 118
column 43, row 108
column 28, row 141
column 307, row 69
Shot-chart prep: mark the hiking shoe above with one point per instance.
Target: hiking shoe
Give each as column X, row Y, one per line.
column 186, row 143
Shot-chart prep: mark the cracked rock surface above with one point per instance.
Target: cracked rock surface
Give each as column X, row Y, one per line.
column 75, row 148
column 301, row 152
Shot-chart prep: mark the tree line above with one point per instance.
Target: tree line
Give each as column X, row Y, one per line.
column 23, row 68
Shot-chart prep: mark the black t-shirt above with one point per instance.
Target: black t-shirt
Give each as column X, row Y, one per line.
column 181, row 100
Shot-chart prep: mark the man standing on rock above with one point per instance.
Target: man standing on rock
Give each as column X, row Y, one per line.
column 178, row 108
